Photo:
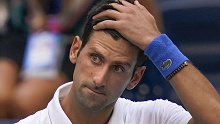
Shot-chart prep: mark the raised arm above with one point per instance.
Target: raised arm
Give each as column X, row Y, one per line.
column 138, row 26
column 198, row 95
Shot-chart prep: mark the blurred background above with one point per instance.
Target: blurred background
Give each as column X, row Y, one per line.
column 36, row 35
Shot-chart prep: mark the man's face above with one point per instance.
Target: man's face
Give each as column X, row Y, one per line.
column 103, row 70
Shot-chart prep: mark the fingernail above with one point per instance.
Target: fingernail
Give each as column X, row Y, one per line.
column 136, row 1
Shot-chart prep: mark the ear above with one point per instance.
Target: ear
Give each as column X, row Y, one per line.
column 139, row 72
column 76, row 45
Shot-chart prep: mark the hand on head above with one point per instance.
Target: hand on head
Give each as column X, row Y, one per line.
column 132, row 21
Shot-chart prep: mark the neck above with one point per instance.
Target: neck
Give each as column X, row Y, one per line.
column 79, row 115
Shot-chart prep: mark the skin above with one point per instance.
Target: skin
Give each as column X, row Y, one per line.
column 197, row 94
column 8, row 75
column 17, row 97
column 152, row 7
column 107, row 71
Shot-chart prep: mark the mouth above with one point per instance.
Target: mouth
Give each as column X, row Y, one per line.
column 95, row 91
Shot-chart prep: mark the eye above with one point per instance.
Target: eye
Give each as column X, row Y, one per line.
column 118, row 68
column 95, row 59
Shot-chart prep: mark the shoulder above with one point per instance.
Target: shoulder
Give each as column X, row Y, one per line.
column 37, row 118
column 153, row 110
column 152, row 104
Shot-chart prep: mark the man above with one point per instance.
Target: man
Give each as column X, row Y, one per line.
column 108, row 60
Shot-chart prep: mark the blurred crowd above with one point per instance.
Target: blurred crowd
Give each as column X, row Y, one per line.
column 35, row 37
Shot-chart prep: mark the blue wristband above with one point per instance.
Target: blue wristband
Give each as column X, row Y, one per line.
column 165, row 55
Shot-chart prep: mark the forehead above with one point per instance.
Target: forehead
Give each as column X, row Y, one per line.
column 105, row 44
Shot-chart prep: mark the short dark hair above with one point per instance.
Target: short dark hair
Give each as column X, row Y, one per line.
column 88, row 27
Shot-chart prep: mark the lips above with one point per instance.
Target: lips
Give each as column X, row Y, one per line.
column 96, row 91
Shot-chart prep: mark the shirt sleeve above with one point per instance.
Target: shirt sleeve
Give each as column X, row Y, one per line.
column 40, row 117
column 32, row 119
column 171, row 113
column 156, row 112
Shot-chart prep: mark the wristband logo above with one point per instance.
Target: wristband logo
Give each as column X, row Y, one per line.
column 166, row 64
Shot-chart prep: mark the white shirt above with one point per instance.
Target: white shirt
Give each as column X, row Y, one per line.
column 125, row 112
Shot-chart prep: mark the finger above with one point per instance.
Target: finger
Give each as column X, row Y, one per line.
column 118, row 7
column 136, row 2
column 107, row 24
column 126, row 3
column 139, row 5
column 108, row 13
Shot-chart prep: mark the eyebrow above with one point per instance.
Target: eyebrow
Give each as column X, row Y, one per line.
column 114, row 62
column 99, row 54
column 122, row 63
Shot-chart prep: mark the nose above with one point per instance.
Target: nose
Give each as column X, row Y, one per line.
column 100, row 77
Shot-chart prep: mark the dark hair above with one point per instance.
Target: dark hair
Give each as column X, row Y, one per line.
column 88, row 27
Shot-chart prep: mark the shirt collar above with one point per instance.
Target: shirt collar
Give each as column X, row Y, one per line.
column 55, row 111
column 118, row 113
column 58, row 116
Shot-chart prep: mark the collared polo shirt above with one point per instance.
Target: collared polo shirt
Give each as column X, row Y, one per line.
column 125, row 111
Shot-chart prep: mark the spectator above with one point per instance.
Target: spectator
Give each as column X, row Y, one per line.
column 21, row 96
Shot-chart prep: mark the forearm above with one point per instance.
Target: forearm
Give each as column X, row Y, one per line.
column 195, row 91
column 198, row 95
